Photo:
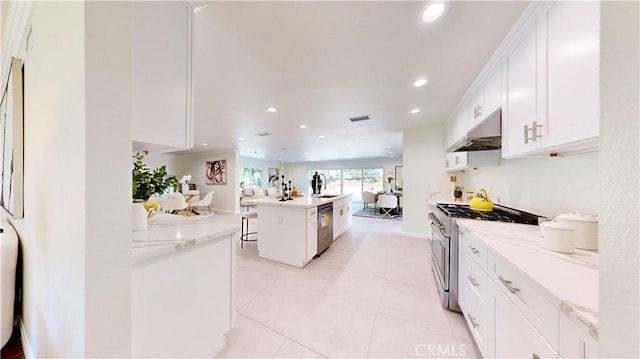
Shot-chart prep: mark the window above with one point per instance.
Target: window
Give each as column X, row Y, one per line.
column 250, row 177
column 350, row 181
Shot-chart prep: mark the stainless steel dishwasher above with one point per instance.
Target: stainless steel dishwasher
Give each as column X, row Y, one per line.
column 325, row 226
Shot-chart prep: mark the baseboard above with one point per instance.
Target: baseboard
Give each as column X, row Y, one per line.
column 26, row 348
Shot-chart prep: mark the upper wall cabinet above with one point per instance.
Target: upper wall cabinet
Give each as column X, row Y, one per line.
column 487, row 98
column 162, row 76
column 551, row 83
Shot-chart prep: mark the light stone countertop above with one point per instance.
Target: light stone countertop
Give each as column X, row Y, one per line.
column 167, row 234
column 299, row 202
column 569, row 281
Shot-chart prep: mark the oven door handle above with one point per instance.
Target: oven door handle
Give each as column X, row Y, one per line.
column 437, row 234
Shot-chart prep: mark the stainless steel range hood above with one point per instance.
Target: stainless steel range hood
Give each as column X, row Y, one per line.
column 485, row 136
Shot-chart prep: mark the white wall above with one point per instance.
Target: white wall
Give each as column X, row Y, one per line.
column 171, row 161
column 424, row 175
column 227, row 197
column 619, row 172
column 76, row 228
column 108, row 120
column 546, row 186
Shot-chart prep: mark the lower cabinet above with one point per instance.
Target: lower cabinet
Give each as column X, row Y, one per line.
column 509, row 318
column 182, row 304
column 341, row 216
column 312, row 232
column 515, row 337
column 576, row 342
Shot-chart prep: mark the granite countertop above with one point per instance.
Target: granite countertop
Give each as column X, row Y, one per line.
column 299, row 202
column 570, row 281
column 167, row 234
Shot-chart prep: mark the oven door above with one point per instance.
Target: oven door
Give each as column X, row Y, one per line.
column 440, row 253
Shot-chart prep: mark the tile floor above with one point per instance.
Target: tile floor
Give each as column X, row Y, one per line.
column 370, row 295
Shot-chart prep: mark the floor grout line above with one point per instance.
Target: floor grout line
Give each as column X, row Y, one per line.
column 373, row 329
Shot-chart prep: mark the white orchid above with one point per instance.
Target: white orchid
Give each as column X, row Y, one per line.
column 185, row 179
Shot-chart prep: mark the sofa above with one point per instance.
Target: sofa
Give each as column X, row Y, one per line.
column 249, row 194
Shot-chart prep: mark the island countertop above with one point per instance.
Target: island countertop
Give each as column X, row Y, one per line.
column 299, row 202
column 166, row 235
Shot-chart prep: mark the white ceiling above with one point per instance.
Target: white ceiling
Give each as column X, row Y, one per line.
column 319, row 63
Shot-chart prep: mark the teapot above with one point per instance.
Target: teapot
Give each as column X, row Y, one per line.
column 481, row 201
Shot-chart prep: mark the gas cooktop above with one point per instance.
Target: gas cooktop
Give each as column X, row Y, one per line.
column 499, row 213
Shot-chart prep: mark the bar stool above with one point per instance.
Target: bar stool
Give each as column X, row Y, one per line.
column 244, row 235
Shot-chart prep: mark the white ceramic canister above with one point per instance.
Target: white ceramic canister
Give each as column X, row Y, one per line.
column 586, row 229
column 557, row 237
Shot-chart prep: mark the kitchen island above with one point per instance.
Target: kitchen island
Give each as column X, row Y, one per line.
column 183, row 287
column 288, row 230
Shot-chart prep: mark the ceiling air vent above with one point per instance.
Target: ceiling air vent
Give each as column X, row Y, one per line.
column 262, row 134
column 360, row 118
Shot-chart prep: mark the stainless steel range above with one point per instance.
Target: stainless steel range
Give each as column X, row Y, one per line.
column 444, row 242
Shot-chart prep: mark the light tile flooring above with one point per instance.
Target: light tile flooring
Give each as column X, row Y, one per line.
column 370, row 295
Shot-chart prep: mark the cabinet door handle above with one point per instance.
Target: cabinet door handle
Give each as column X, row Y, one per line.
column 473, row 322
column 474, row 250
column 479, row 111
column 507, row 283
column 534, row 132
column 473, row 281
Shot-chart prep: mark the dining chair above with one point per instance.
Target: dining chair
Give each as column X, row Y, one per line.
column 368, row 198
column 174, row 202
column 205, row 202
column 387, row 203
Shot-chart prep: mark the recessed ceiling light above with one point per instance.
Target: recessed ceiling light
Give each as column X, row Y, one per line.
column 240, row 138
column 205, row 144
column 390, row 152
column 303, row 126
column 434, row 10
column 415, row 110
column 322, row 136
column 305, row 153
column 388, row 147
column 392, row 156
column 420, row 82
column 272, row 109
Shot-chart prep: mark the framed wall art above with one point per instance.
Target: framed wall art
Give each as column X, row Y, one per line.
column 12, row 142
column 274, row 177
column 216, row 172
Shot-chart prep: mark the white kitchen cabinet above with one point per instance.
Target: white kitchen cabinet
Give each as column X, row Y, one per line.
column 519, row 107
column 341, row 216
column 459, row 161
column 183, row 301
column 576, row 342
column 551, row 81
column 487, row 97
column 312, row 232
column 515, row 337
column 472, row 292
column 162, row 76
column 568, row 43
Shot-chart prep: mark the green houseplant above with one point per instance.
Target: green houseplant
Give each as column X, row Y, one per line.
column 147, row 182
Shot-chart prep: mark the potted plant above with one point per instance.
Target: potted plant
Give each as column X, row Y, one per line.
column 457, row 191
column 146, row 183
